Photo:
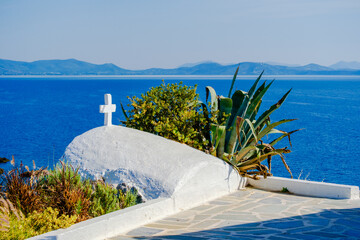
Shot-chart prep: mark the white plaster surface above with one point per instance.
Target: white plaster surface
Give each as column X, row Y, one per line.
column 307, row 188
column 158, row 167
column 172, row 176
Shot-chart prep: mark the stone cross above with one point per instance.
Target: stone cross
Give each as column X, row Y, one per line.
column 108, row 109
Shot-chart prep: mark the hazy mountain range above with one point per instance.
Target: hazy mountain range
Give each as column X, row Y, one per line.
column 76, row 67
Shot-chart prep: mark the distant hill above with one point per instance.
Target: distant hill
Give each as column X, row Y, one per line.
column 58, row 67
column 76, row 67
column 194, row 64
column 346, row 65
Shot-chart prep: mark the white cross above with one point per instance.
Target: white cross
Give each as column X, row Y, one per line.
column 108, row 109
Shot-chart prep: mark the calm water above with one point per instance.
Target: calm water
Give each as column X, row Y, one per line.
column 39, row 117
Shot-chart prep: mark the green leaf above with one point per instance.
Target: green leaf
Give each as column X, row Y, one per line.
column 239, row 155
column 213, row 98
column 218, row 133
column 271, row 126
column 252, row 89
column 267, row 113
column 124, row 112
column 230, row 127
column 233, row 81
column 286, row 134
column 225, row 106
column 252, row 131
column 255, row 102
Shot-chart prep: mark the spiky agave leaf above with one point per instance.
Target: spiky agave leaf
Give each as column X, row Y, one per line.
column 285, row 134
column 213, row 98
column 237, row 99
column 253, row 109
column 218, row 135
column 233, row 81
column 241, row 112
column 270, row 129
column 260, row 122
column 244, row 131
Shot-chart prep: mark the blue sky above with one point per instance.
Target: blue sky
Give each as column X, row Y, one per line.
column 141, row 34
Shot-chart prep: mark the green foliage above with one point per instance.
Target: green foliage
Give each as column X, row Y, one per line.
column 171, row 111
column 37, row 201
column 49, row 220
column 36, row 223
column 66, row 191
column 238, row 139
column 285, row 190
column 128, row 199
column 106, row 199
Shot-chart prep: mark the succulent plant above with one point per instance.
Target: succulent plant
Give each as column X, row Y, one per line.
column 238, row 137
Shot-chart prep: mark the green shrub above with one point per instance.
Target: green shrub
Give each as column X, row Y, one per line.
column 171, row 111
column 129, row 198
column 35, row 202
column 49, row 220
column 64, row 190
column 105, row 199
column 36, row 223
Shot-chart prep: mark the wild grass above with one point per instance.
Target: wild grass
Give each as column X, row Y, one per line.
column 34, row 201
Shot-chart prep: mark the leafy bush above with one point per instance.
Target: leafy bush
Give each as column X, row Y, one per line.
column 106, row 199
column 48, row 220
column 53, row 199
column 171, row 111
column 239, row 140
column 229, row 129
column 66, row 191
column 36, row 223
column 129, row 198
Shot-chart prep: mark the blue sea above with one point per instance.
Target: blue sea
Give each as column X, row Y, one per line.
column 39, row 117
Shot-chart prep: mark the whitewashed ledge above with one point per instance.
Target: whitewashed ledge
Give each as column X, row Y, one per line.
column 306, row 188
column 172, row 176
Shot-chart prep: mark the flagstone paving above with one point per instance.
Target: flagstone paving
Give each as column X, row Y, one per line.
column 257, row 214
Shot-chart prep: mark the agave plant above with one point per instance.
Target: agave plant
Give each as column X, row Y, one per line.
column 238, row 140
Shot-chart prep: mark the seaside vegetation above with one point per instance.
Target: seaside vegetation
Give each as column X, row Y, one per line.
column 171, row 111
column 37, row 201
column 226, row 127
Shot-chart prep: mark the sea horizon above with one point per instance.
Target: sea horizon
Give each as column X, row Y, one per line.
column 199, row 77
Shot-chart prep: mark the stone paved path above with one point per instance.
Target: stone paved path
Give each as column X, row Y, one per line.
column 257, row 214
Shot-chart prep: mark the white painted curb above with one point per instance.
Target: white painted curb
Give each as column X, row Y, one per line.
column 122, row 221
column 306, row 188
column 114, row 223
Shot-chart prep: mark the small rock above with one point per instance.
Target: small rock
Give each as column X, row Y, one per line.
column 125, row 188
column 4, row 160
